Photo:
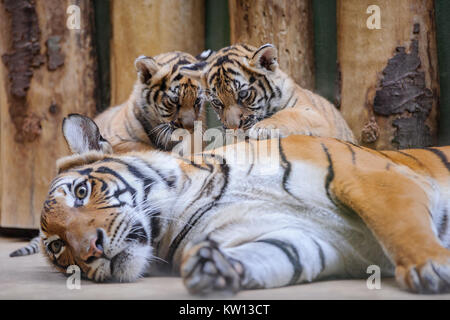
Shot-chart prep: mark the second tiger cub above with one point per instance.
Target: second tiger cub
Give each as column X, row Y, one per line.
column 248, row 91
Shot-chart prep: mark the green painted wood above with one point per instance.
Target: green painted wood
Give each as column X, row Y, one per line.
column 443, row 45
column 217, row 36
column 102, row 38
column 325, row 48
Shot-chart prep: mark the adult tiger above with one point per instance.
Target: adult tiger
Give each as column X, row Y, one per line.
column 162, row 101
column 248, row 90
column 306, row 208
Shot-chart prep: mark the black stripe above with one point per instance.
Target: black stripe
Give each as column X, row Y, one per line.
column 292, row 254
column 321, row 255
column 349, row 146
column 155, row 226
column 287, row 170
column 330, row 175
column 328, row 180
column 106, row 170
column 441, row 156
column 443, row 225
column 198, row 215
column 287, row 167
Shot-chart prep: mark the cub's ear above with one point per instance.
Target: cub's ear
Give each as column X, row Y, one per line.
column 195, row 71
column 146, row 68
column 265, row 58
column 205, row 55
column 82, row 135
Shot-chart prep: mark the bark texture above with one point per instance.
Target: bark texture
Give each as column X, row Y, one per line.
column 47, row 71
column 286, row 24
column 151, row 27
column 389, row 87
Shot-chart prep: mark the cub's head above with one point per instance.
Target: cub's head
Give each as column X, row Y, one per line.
column 239, row 83
column 93, row 215
column 165, row 99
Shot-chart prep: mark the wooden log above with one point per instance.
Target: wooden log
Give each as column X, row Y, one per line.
column 389, row 76
column 286, row 24
column 151, row 27
column 443, row 46
column 47, row 71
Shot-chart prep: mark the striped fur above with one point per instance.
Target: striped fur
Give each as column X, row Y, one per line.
column 248, row 91
column 30, row 248
column 309, row 209
column 162, row 101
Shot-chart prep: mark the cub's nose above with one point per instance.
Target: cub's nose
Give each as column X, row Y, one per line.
column 95, row 247
column 233, row 117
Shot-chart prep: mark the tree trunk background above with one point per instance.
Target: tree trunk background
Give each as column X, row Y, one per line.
column 286, row 24
column 47, row 71
column 151, row 27
column 389, row 86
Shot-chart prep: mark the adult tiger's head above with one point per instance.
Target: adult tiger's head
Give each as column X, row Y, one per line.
column 241, row 82
column 94, row 215
column 166, row 100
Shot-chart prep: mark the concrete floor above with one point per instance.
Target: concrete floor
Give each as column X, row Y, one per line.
column 31, row 278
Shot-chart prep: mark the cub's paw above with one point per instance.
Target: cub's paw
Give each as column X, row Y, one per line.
column 263, row 130
column 206, row 269
column 429, row 277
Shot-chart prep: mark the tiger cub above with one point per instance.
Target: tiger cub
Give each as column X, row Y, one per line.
column 162, row 101
column 248, row 91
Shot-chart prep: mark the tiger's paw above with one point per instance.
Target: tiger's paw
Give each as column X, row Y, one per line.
column 431, row 277
column 265, row 130
column 205, row 269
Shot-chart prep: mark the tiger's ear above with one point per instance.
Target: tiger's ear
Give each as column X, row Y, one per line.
column 146, row 68
column 195, row 71
column 82, row 135
column 265, row 58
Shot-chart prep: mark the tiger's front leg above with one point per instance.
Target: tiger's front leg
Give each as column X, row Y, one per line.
column 275, row 260
column 205, row 268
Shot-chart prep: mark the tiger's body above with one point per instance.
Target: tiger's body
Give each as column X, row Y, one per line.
column 311, row 208
column 248, row 91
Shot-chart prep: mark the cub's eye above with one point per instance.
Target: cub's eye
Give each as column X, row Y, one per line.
column 81, row 191
column 55, row 246
column 244, row 94
column 174, row 99
column 216, row 102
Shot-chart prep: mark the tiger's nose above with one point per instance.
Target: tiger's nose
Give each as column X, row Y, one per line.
column 233, row 117
column 95, row 247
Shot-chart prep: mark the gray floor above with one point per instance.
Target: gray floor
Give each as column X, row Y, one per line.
column 31, row 278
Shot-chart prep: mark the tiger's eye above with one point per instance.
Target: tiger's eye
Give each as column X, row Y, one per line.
column 55, row 246
column 174, row 99
column 243, row 94
column 216, row 102
column 81, row 191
